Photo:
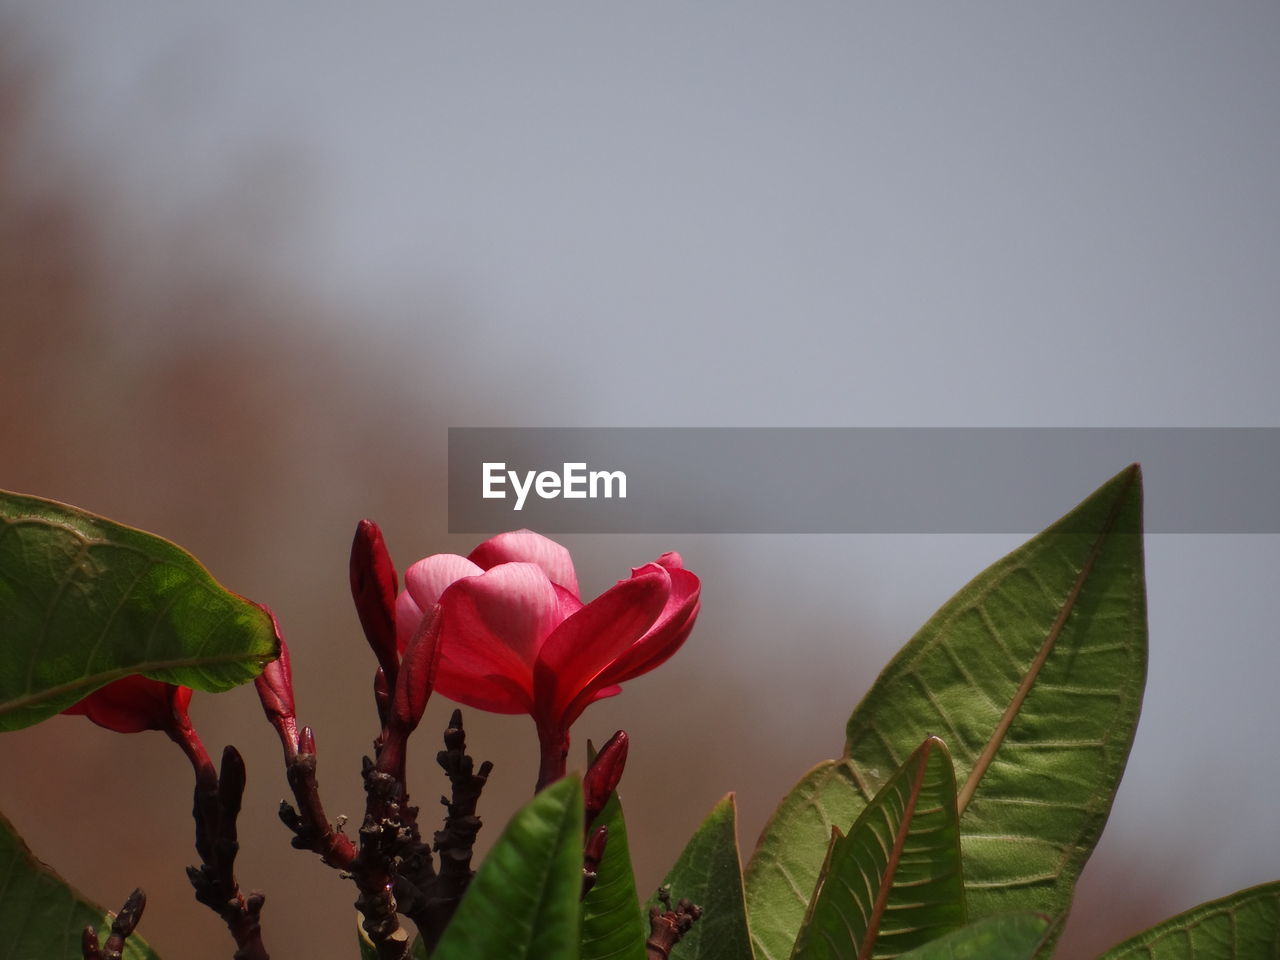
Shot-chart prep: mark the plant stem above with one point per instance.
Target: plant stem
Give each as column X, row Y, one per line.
column 216, row 809
column 554, row 748
column 124, row 924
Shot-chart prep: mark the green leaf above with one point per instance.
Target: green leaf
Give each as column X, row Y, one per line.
column 84, row 601
column 894, row 883
column 1009, row 936
column 1033, row 676
column 40, row 915
column 524, row 900
column 709, row 873
column 612, row 925
column 1245, row 924
column 367, row 950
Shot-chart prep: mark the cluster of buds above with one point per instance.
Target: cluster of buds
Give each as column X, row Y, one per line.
column 390, row 863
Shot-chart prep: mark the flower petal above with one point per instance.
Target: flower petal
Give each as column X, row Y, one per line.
column 408, row 616
column 586, row 644
column 525, row 546
column 493, row 627
column 569, row 602
column 427, row 579
column 605, row 692
column 667, row 634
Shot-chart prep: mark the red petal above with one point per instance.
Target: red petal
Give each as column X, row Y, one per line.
column 428, row 579
column 593, row 638
column 134, row 704
column 408, row 616
column 569, row 602
column 667, row 634
column 493, row 626
column 416, row 678
column 493, row 692
column 424, row 582
column 525, row 546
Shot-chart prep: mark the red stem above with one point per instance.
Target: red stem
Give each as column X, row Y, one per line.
column 554, row 745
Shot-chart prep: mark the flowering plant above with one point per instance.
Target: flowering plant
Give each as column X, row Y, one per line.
column 977, row 773
column 516, row 638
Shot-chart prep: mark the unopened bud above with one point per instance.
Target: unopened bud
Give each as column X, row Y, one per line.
column 127, row 919
column 592, row 854
column 275, row 691
column 603, row 775
column 373, row 587
column 231, row 781
column 134, row 704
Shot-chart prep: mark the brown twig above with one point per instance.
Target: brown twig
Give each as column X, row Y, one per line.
column 311, row 828
column 124, row 923
column 455, row 842
column 375, row 867
column 390, row 864
column 667, row 926
column 216, row 808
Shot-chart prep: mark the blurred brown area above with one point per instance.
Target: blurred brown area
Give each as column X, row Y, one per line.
column 221, row 418
column 225, row 414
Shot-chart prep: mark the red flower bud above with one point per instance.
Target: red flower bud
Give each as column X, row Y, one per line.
column 137, row 703
column 593, row 851
column 373, row 587
column 134, row 704
column 592, row 854
column 603, row 775
column 275, row 691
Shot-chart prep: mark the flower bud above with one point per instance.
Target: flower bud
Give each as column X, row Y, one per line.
column 134, row 704
column 603, row 775
column 275, row 691
column 373, row 587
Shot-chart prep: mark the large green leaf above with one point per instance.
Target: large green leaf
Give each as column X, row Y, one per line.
column 524, row 901
column 40, row 915
column 1033, row 676
column 709, row 873
column 1006, row 936
column 895, row 882
column 1245, row 924
column 612, row 925
column 84, row 601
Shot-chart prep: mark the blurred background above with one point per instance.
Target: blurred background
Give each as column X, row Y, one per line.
column 256, row 259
